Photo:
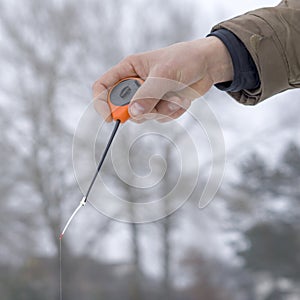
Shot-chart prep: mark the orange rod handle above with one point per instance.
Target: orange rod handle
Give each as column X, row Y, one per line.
column 119, row 109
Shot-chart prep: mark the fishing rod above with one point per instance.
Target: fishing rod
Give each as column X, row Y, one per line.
column 119, row 97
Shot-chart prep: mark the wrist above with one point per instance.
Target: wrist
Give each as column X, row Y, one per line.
column 217, row 59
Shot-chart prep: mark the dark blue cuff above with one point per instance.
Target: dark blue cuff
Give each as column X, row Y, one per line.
column 245, row 72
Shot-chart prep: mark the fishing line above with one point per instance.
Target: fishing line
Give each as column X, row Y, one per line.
column 60, row 271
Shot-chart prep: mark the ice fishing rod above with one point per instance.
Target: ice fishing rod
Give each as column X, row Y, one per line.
column 119, row 97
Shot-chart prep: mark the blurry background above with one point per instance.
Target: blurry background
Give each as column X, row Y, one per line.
column 244, row 245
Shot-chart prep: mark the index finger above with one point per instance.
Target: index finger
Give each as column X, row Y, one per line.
column 106, row 81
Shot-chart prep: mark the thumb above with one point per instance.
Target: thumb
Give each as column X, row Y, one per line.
column 149, row 94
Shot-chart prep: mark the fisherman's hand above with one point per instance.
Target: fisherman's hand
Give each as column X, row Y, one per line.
column 197, row 64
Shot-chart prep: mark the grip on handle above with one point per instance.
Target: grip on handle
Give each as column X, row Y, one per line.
column 120, row 95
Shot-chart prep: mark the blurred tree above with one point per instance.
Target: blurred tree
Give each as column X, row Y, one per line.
column 269, row 216
column 214, row 279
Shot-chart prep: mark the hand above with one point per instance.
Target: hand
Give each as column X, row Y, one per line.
column 197, row 64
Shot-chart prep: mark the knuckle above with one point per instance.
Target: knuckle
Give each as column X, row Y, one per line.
column 130, row 59
column 133, row 56
column 164, row 70
column 96, row 85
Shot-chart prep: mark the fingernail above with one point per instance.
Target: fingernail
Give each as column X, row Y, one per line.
column 136, row 109
column 172, row 106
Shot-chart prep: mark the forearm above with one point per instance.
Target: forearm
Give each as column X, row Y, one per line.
column 271, row 35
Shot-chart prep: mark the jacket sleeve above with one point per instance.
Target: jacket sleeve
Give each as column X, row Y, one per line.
column 272, row 37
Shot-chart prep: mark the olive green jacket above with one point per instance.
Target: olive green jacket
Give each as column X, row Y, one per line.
column 272, row 36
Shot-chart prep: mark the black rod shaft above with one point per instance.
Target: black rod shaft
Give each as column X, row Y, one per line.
column 103, row 158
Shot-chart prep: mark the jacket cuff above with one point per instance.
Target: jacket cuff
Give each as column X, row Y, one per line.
column 245, row 72
column 261, row 42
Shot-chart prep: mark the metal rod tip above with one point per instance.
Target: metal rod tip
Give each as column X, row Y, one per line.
column 83, row 201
